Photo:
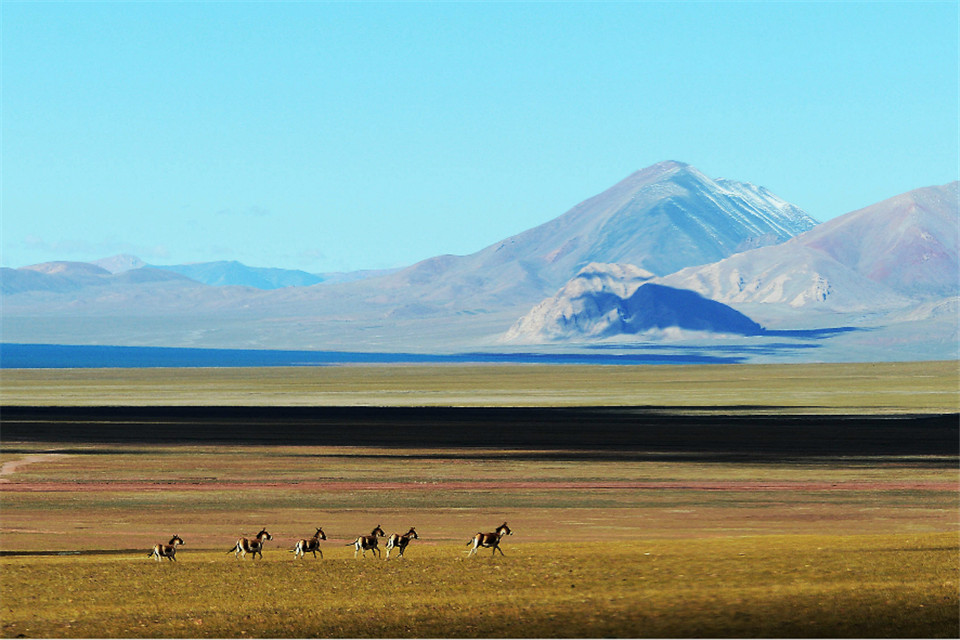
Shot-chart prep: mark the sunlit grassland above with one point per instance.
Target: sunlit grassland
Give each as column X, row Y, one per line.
column 826, row 546
column 770, row 586
column 911, row 386
column 126, row 496
column 106, row 521
column 200, row 464
column 751, row 562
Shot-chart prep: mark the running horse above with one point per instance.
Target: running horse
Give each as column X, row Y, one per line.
column 313, row 544
column 401, row 541
column 367, row 542
column 489, row 540
column 168, row 551
column 253, row 546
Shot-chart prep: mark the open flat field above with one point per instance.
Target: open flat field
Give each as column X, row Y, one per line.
column 802, row 512
column 769, row 586
column 605, row 543
column 804, row 388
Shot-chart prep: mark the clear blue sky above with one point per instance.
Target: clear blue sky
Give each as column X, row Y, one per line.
column 340, row 136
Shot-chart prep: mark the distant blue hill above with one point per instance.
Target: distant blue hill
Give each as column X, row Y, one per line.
column 231, row 272
column 660, row 307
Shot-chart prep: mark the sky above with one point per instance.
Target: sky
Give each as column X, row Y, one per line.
column 328, row 136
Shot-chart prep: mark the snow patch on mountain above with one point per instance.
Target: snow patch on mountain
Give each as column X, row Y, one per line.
column 886, row 256
column 120, row 263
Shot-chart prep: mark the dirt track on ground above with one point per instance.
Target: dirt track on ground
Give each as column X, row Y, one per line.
column 11, row 467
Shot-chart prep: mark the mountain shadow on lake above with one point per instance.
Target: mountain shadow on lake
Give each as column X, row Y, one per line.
column 49, row 356
column 811, row 334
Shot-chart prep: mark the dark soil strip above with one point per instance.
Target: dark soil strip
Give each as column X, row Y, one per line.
column 630, row 431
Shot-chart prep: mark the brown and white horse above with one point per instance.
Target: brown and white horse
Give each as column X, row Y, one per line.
column 313, row 544
column 168, row 551
column 401, row 541
column 489, row 540
column 253, row 546
column 368, row 542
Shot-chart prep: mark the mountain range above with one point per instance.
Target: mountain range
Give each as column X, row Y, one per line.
column 890, row 267
column 663, row 218
column 221, row 273
column 887, row 255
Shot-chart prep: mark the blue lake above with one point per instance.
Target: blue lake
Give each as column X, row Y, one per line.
column 50, row 356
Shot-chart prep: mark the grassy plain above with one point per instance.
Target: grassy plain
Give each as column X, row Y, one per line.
column 123, row 496
column 770, row 586
column 897, row 387
column 826, row 547
column 653, row 545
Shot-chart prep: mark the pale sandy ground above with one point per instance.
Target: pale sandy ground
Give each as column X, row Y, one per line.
column 12, row 466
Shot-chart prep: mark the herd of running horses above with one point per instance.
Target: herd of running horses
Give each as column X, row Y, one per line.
column 254, row 546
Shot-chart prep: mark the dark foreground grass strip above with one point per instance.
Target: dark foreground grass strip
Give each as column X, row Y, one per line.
column 659, row 430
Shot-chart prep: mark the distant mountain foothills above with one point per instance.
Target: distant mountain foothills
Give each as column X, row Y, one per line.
column 665, row 259
column 227, row 273
column 606, row 300
column 73, row 275
column 220, row 274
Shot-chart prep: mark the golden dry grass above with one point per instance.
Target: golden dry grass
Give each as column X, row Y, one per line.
column 769, row 586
